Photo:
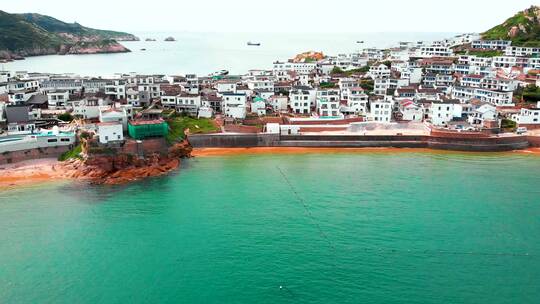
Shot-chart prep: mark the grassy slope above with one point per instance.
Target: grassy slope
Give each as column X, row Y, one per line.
column 528, row 19
column 196, row 126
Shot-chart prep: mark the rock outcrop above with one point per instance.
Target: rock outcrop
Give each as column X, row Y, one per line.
column 113, row 169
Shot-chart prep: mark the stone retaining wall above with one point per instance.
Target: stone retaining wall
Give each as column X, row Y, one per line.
column 473, row 143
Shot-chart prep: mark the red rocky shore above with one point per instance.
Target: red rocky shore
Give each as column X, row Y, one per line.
column 122, row 168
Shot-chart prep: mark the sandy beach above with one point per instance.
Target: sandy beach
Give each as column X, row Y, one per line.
column 208, row 152
column 30, row 172
column 49, row 169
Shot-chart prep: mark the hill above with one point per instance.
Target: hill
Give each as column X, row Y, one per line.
column 34, row 34
column 51, row 24
column 523, row 29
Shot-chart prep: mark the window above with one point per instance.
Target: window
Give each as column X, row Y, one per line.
column 52, row 140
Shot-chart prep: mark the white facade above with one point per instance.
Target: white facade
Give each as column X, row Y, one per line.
column 441, row 113
column 379, row 71
column 380, row 111
column 483, row 113
column 527, row 116
column 234, row 105
column 57, row 99
column 298, row 67
column 110, row 132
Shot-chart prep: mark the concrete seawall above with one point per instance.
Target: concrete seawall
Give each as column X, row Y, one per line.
column 479, row 144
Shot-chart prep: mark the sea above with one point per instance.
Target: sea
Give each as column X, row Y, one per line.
column 205, row 53
column 371, row 227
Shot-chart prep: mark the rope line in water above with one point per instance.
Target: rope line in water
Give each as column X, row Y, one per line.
column 394, row 251
column 306, row 209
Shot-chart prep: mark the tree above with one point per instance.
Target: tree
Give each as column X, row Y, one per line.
column 337, row 70
column 65, row 117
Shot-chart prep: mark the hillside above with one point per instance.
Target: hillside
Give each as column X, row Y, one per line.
column 523, row 29
column 53, row 25
column 33, row 34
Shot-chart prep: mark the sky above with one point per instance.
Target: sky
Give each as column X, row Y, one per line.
column 302, row 16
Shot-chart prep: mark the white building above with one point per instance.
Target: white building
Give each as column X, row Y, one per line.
column 57, row 99
column 298, row 67
column 302, row 99
column 234, row 105
column 434, row 51
column 226, row 86
column 328, row 108
column 410, row 111
column 110, row 132
column 380, row 110
column 528, row 116
column 379, row 71
column 279, row 103
column 481, row 114
column 114, row 115
column 442, row 112
column 258, row 106
column 491, row 44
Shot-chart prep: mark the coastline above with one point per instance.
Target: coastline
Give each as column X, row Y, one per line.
column 31, row 172
column 45, row 170
column 210, row 152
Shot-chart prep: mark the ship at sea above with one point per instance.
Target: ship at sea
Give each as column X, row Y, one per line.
column 253, row 43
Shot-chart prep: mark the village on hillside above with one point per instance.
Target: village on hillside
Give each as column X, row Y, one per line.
column 463, row 84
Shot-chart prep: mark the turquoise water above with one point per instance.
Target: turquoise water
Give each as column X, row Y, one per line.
column 205, row 53
column 328, row 228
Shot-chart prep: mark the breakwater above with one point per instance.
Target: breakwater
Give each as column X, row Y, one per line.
column 439, row 140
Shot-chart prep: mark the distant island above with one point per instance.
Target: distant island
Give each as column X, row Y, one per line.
column 34, row 34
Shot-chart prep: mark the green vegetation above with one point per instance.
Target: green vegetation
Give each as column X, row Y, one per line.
column 367, row 84
column 508, row 124
column 486, row 54
column 178, row 125
column 523, row 29
column 54, row 25
column 65, row 117
column 327, row 85
column 34, row 34
column 339, row 71
column 529, row 94
column 18, row 34
column 74, row 153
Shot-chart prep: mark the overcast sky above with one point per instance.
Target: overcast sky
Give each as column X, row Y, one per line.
column 278, row 15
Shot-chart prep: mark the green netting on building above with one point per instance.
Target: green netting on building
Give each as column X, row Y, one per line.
column 142, row 131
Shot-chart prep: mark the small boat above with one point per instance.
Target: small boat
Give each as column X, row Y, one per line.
column 143, row 49
column 360, row 41
column 253, row 43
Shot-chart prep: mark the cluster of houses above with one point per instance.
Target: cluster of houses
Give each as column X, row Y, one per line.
column 448, row 84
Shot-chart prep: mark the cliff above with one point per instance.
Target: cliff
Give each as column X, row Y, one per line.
column 523, row 29
column 121, row 168
column 33, row 34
